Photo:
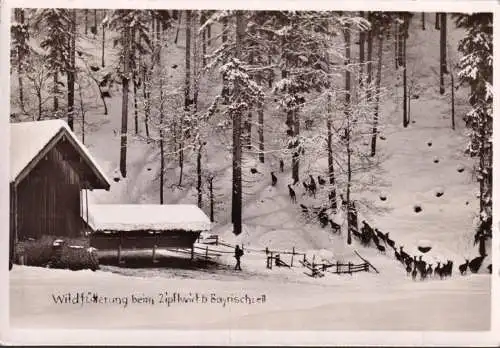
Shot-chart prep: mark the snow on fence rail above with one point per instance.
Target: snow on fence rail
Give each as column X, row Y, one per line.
column 273, row 258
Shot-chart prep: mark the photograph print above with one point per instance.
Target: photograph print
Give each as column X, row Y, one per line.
column 182, row 169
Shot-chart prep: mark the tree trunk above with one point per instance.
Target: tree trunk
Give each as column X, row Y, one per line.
column 329, row 144
column 347, row 39
column 249, row 130
column 452, row 101
column 178, row 27
column 437, row 20
column 20, row 58
column 203, row 19
column 103, row 42
column 136, row 111
column 396, row 39
column 211, row 189
column 237, row 184
column 72, row 70
column 162, row 144
column 362, row 51
column 377, row 95
column 260, row 113
column 125, row 83
column 297, row 146
column 147, row 100
column 224, row 30
column 442, row 51
column 369, row 64
column 423, row 20
column 82, row 109
column 405, row 89
column 187, row 79
column 95, row 21
column 86, row 11
column 198, row 174
column 401, row 41
column 209, row 35
column 187, row 91
column 56, row 91
column 39, row 95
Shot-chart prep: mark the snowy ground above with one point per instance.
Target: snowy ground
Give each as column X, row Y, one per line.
column 358, row 302
column 388, row 301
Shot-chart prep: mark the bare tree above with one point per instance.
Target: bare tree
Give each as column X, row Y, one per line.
column 125, row 87
column 442, row 55
column 71, row 72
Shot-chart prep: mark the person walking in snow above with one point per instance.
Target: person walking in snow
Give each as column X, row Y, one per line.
column 238, row 253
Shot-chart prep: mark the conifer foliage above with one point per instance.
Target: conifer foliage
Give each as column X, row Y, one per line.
column 476, row 69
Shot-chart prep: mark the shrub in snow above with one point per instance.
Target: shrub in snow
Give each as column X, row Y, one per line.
column 253, row 170
column 424, row 246
column 63, row 253
column 460, row 168
column 149, row 169
column 429, row 143
column 417, row 208
column 436, row 160
column 467, row 203
column 383, row 197
column 382, row 137
column 439, row 192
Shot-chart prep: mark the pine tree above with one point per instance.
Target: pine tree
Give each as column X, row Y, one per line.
column 71, row 71
column 476, row 69
column 128, row 22
column 20, row 49
column 54, row 25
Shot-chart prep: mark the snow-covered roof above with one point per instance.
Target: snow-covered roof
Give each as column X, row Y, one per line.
column 30, row 139
column 133, row 217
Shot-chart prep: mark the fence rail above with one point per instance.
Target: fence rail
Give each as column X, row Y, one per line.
column 274, row 258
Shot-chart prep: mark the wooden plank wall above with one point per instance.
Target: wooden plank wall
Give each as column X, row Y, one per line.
column 49, row 199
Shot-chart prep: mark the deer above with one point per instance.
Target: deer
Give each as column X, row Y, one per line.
column 291, row 192
column 463, row 267
column 274, row 179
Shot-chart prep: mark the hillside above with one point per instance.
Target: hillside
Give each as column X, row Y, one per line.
column 407, row 174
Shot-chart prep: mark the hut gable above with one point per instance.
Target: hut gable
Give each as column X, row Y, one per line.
column 33, row 141
column 141, row 217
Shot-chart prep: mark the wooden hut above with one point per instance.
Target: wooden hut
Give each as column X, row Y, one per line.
column 145, row 226
column 49, row 168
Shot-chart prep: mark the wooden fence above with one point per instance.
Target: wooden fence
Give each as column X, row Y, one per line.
column 274, row 258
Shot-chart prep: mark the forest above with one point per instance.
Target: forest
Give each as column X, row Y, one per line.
column 220, row 102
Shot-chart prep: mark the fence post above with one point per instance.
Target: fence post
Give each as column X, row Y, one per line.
column 154, row 253
column 293, row 253
column 270, row 261
column 337, row 264
column 217, row 240
column 304, row 257
column 349, row 267
column 206, row 253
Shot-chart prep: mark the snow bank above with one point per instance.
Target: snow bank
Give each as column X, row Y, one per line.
column 129, row 217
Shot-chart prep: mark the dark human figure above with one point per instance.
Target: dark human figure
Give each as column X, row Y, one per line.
column 238, row 253
column 293, row 197
column 282, row 166
column 274, row 179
